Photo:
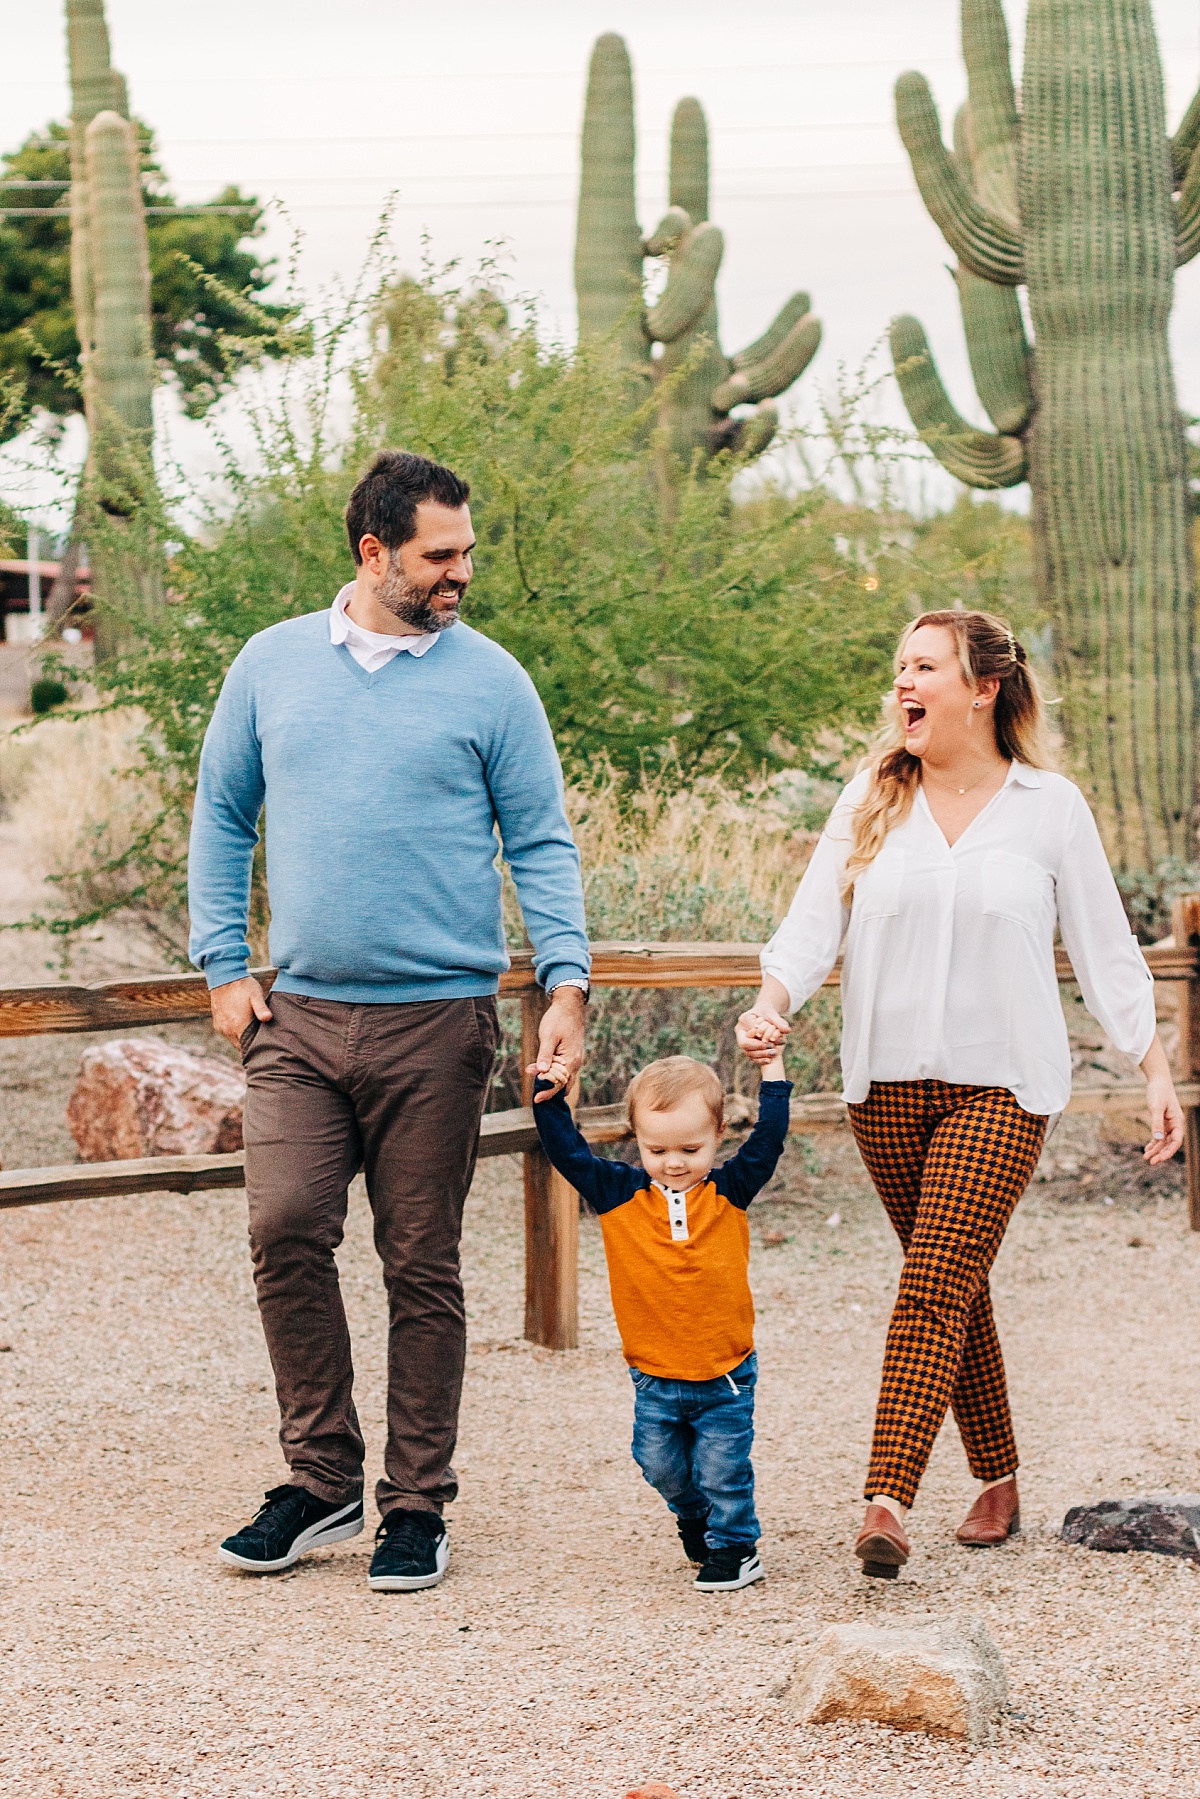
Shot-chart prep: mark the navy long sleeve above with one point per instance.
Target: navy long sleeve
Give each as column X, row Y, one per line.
column 606, row 1184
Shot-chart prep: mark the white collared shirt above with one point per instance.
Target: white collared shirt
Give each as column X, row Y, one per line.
column 949, row 960
column 372, row 649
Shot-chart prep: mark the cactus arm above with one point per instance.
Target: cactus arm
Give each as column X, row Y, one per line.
column 775, row 373
column 690, row 285
column 982, row 241
column 689, row 160
column 788, row 315
column 756, row 432
column 1187, row 214
column 670, row 230
column 747, row 437
column 1183, row 144
column 994, row 127
column 979, row 458
column 608, row 241
column 124, row 358
column 998, row 350
column 95, row 85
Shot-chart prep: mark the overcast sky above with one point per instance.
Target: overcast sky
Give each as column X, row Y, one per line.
column 471, row 112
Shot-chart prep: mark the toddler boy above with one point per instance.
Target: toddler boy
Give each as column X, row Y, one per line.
column 678, row 1250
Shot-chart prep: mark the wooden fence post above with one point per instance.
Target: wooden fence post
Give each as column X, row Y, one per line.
column 551, row 1220
column 1185, row 927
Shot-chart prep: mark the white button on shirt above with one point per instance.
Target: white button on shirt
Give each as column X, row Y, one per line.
column 949, row 952
column 372, row 649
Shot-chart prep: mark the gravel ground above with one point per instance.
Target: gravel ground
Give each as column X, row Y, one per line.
column 566, row 1653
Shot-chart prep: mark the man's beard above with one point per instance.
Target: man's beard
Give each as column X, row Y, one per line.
column 413, row 605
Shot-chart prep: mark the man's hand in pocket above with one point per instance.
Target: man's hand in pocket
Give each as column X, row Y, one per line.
column 235, row 1005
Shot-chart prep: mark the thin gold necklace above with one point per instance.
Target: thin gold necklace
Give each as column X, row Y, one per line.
column 974, row 784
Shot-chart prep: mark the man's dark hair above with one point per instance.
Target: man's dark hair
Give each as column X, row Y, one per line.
column 385, row 501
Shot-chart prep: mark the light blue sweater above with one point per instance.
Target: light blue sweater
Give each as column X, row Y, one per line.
column 381, row 794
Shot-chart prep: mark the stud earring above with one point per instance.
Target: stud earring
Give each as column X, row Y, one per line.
column 976, row 704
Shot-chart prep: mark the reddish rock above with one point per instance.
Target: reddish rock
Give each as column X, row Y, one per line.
column 654, row 1789
column 139, row 1097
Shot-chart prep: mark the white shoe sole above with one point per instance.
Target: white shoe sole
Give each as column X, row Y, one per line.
column 317, row 1536
column 746, row 1575
column 411, row 1583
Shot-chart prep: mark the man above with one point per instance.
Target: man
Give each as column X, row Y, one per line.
column 386, row 740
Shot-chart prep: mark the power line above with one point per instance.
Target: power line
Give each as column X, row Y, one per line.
column 63, row 212
column 494, row 204
column 676, row 73
column 491, row 137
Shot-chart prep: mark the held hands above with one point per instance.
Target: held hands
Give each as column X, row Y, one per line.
column 235, row 1006
column 560, row 1042
column 761, row 1033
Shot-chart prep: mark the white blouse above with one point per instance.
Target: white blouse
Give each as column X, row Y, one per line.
column 949, row 961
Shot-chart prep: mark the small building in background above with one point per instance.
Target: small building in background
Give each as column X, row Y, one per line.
column 24, row 591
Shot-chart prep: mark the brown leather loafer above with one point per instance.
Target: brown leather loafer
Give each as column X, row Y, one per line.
column 993, row 1518
column 882, row 1546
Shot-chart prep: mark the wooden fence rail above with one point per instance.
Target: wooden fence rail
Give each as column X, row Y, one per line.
column 551, row 1206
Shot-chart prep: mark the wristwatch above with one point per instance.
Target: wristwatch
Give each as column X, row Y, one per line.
column 584, row 987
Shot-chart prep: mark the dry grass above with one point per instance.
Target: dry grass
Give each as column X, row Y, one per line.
column 705, row 864
column 80, row 799
column 723, row 863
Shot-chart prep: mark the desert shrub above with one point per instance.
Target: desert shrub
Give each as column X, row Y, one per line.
column 46, row 693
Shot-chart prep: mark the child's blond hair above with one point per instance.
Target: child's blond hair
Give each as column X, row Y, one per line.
column 661, row 1085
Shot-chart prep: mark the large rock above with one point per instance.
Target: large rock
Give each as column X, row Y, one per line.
column 943, row 1676
column 1163, row 1526
column 139, row 1097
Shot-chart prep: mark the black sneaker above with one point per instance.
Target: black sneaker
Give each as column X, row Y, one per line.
column 289, row 1523
column 734, row 1565
column 691, row 1535
column 411, row 1550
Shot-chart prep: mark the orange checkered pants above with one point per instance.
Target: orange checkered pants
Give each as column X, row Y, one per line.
column 949, row 1164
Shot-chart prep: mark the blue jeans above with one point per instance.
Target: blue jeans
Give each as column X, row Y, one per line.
column 692, row 1440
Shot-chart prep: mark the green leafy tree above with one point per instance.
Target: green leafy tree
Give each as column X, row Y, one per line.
column 693, row 637
column 200, row 266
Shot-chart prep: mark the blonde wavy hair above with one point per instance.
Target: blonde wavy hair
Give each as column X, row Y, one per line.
column 986, row 647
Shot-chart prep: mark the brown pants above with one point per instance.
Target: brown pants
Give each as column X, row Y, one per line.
column 397, row 1090
column 949, row 1164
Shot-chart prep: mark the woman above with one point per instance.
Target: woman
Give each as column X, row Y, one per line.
column 946, row 865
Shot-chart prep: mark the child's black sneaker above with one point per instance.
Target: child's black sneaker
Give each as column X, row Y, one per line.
column 691, row 1535
column 733, row 1565
column 411, row 1550
column 289, row 1523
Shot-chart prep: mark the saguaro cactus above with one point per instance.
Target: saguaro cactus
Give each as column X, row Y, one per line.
column 120, row 381
column 95, row 87
column 684, row 321
column 1074, row 199
column 609, row 249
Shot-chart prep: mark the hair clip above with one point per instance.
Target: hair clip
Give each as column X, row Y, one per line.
column 1012, row 644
